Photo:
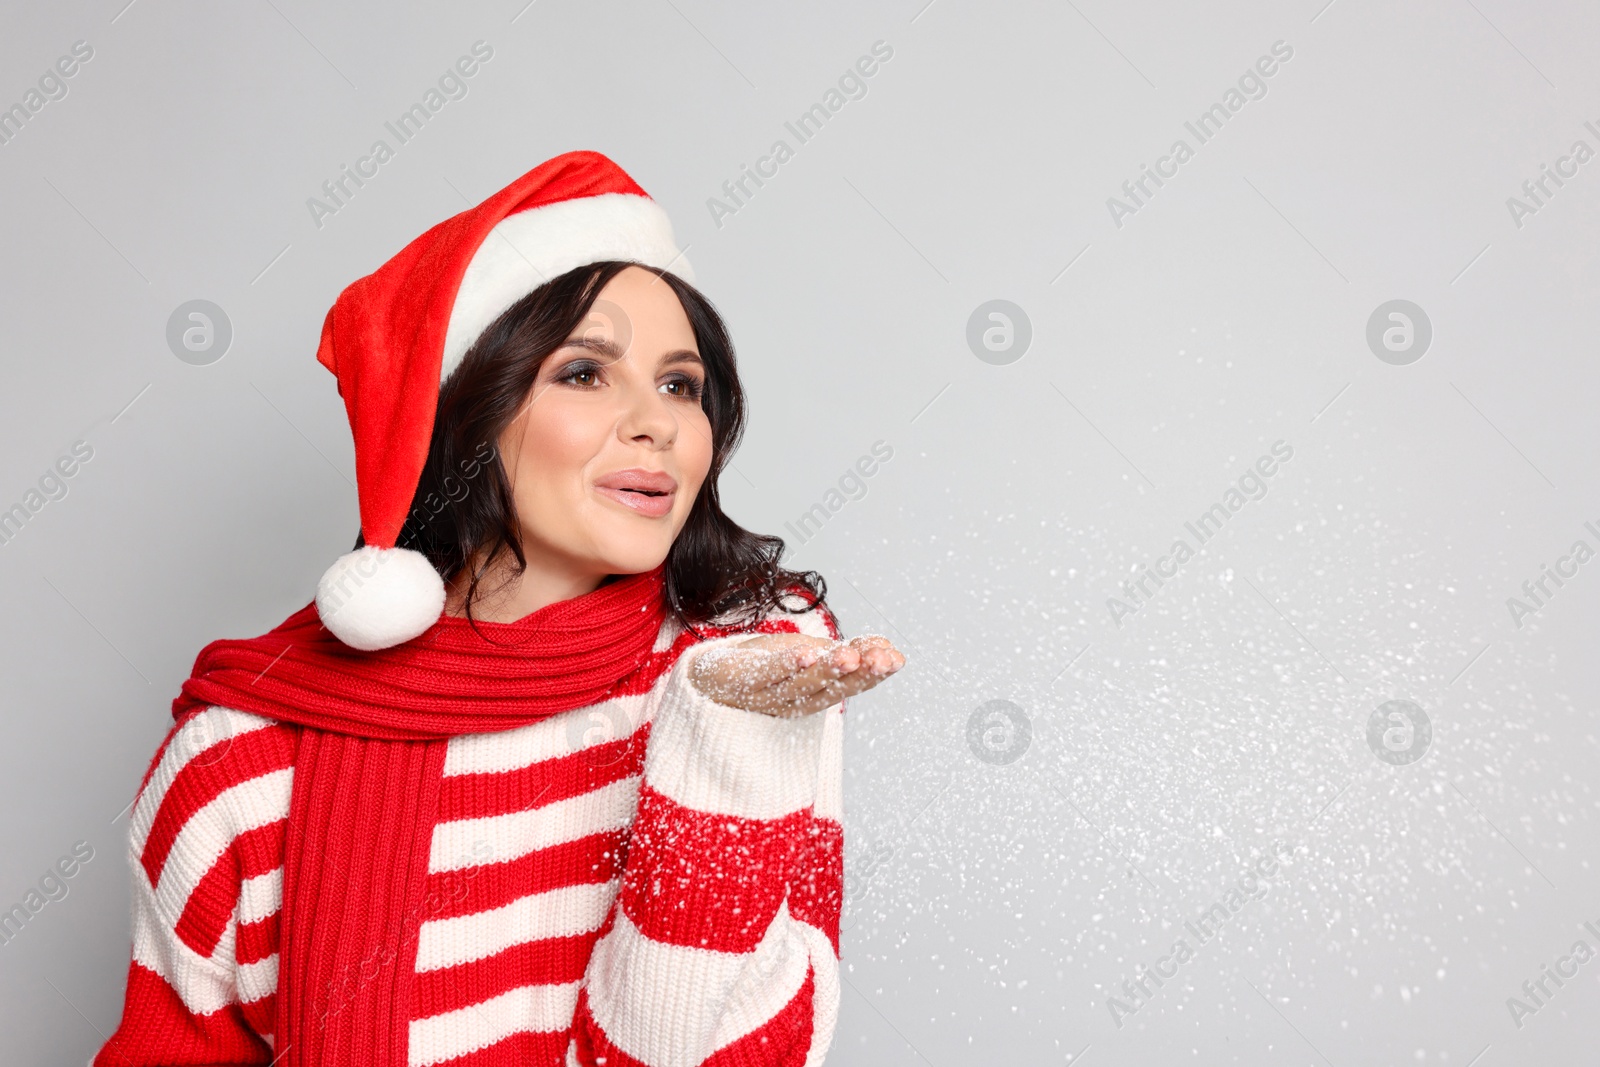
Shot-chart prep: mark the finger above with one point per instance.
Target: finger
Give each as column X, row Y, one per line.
column 829, row 691
column 818, row 674
column 877, row 663
column 754, row 674
column 859, row 644
column 882, row 659
column 879, row 654
column 812, row 668
column 828, row 696
column 865, row 641
column 825, row 664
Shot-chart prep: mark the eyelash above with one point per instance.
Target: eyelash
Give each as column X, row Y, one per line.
column 692, row 386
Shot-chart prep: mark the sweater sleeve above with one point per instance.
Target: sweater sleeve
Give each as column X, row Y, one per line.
column 184, row 1003
column 722, row 949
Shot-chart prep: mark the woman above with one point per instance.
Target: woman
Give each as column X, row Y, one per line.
column 519, row 786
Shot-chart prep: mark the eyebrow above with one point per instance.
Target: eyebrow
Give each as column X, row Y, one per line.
column 606, row 347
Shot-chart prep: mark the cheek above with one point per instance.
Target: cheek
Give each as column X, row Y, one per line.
column 695, row 448
column 556, row 446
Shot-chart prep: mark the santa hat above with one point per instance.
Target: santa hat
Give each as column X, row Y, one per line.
column 394, row 336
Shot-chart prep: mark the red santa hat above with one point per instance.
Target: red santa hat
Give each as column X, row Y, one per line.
column 393, row 337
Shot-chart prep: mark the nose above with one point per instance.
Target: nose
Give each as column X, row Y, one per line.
column 647, row 416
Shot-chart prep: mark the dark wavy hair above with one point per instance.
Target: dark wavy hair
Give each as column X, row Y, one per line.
column 716, row 569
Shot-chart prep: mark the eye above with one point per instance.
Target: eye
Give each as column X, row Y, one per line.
column 689, row 388
column 577, row 369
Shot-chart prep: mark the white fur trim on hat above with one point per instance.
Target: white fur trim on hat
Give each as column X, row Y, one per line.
column 527, row 249
column 373, row 597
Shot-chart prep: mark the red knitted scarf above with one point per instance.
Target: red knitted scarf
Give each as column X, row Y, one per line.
column 375, row 726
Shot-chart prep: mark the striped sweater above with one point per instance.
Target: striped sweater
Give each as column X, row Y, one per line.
column 654, row 879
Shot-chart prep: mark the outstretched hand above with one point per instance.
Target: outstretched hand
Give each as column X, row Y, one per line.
column 788, row 675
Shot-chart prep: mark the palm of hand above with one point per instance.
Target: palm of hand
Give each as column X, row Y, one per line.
column 788, row 675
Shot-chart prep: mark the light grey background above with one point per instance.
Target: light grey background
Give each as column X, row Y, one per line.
column 994, row 908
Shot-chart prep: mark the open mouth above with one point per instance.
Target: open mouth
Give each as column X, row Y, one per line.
column 644, row 491
column 652, row 503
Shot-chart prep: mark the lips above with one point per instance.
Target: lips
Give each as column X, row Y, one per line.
column 646, row 492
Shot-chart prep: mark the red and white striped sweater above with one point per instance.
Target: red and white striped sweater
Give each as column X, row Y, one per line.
column 667, row 898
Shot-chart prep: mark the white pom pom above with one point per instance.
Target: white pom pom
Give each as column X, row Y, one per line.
column 377, row 597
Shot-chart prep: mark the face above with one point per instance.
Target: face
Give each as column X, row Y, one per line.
column 608, row 454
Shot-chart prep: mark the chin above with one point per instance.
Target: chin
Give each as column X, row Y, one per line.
column 623, row 555
column 621, row 543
